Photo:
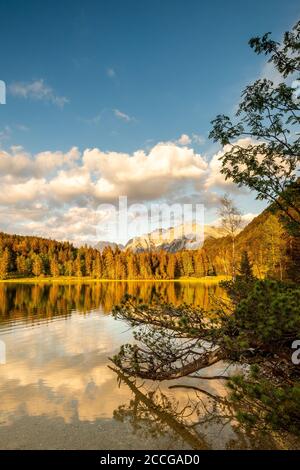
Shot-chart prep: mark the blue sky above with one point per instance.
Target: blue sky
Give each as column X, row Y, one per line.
column 122, row 76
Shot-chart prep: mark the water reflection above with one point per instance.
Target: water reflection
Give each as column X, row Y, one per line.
column 197, row 418
column 57, row 391
column 34, row 301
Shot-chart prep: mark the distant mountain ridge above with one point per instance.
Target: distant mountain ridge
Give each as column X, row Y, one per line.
column 182, row 237
column 103, row 244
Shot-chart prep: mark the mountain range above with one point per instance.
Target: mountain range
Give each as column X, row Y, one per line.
column 182, row 237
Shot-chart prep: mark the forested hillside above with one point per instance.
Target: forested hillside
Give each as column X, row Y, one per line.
column 271, row 250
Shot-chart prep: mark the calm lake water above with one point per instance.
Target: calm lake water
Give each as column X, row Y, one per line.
column 57, row 391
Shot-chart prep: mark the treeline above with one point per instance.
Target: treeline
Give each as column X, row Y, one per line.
column 22, row 256
column 271, row 250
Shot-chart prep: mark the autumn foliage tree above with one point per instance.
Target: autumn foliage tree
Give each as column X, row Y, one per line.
column 4, row 263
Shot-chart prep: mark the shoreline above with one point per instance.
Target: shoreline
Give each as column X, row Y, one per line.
column 83, row 279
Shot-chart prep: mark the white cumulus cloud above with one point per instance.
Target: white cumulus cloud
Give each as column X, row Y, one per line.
column 57, row 193
column 185, row 139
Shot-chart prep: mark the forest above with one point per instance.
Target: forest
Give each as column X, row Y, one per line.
column 271, row 249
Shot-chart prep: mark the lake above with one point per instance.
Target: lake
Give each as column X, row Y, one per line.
column 57, row 391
